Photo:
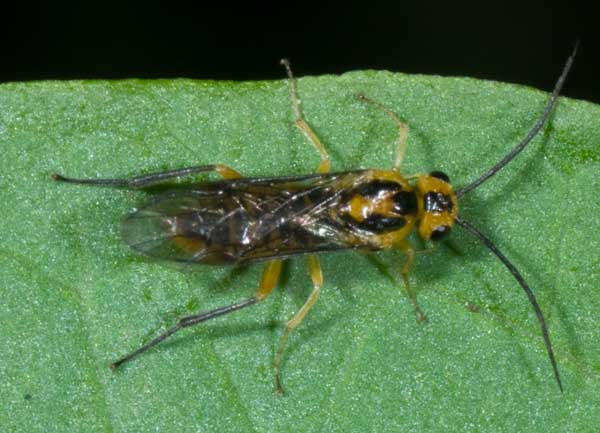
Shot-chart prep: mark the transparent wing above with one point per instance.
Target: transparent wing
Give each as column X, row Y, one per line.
column 240, row 221
column 164, row 227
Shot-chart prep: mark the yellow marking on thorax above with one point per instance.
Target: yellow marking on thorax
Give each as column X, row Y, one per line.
column 361, row 207
column 392, row 239
column 390, row 175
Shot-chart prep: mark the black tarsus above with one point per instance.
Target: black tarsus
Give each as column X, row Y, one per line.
column 184, row 323
column 530, row 135
column 112, row 182
column 515, row 273
column 139, row 182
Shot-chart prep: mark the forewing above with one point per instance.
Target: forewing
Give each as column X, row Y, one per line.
column 242, row 220
column 296, row 217
column 158, row 229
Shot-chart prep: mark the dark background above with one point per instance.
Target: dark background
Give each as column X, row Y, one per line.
column 524, row 42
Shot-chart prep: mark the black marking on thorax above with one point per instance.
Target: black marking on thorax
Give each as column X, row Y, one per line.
column 404, row 204
column 379, row 224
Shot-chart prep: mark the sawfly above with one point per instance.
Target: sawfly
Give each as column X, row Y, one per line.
column 242, row 220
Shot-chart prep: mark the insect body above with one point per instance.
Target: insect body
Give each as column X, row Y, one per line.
column 244, row 220
column 256, row 219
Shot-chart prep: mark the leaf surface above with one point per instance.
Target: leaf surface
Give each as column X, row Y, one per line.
column 74, row 297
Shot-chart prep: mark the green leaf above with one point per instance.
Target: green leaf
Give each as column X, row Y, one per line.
column 74, row 297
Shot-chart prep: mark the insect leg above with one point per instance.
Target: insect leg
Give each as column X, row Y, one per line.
column 409, row 251
column 301, row 123
column 268, row 281
column 402, row 129
column 314, row 268
column 153, row 178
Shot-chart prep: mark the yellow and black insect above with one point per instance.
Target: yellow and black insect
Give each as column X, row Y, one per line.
column 267, row 219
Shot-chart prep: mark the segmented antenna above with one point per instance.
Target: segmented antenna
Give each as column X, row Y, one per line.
column 488, row 243
column 515, row 273
column 532, row 133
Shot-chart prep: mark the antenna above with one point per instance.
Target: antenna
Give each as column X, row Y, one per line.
column 515, row 273
column 532, row 133
column 491, row 172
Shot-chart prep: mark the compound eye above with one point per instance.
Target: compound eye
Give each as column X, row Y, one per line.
column 440, row 175
column 440, row 232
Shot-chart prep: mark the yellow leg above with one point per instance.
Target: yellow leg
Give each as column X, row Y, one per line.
column 402, row 130
column 269, row 279
column 314, row 268
column 301, row 124
column 409, row 251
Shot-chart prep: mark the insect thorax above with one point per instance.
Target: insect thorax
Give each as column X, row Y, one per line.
column 382, row 207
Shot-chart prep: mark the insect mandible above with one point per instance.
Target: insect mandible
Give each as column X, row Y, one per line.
column 241, row 220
